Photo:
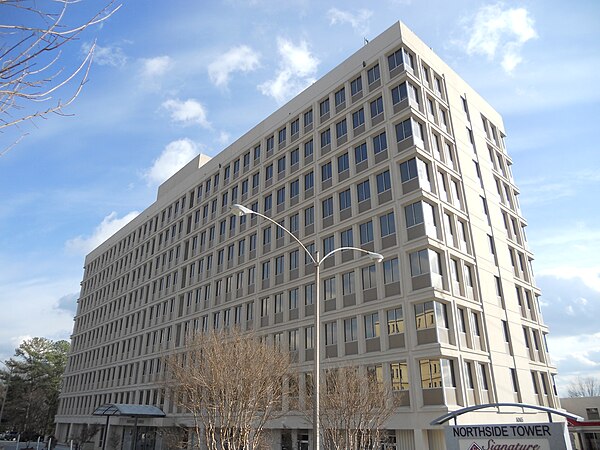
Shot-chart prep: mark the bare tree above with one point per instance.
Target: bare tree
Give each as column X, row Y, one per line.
column 30, row 57
column 232, row 385
column 86, row 433
column 354, row 409
column 584, row 387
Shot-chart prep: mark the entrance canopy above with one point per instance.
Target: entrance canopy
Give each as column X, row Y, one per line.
column 120, row 409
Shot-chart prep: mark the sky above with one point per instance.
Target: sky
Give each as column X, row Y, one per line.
column 178, row 78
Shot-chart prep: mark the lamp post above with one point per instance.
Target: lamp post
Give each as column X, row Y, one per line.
column 240, row 210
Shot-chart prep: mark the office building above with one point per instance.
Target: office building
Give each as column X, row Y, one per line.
column 390, row 151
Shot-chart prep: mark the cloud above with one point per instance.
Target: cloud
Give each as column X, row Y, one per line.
column 68, row 303
column 187, row 112
column 175, row 155
column 155, row 67
column 496, row 30
column 109, row 226
column 107, row 56
column 358, row 21
column 297, row 68
column 237, row 59
column 224, row 138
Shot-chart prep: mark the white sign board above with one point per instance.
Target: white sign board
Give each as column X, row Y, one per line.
column 519, row 436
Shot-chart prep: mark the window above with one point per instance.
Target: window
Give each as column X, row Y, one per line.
column 592, row 413
column 264, row 307
column 282, row 136
column 341, row 129
column 414, row 214
column 350, row 330
column 347, row 239
column 343, row 163
column 395, row 321
column 326, row 173
column 413, row 168
column 294, row 188
column 270, row 143
column 387, row 224
column 268, row 172
column 396, row 59
column 295, row 127
column 308, row 118
column 326, row 138
column 383, row 182
column 483, row 377
column 281, row 165
column 360, row 153
column 294, row 157
column 379, row 143
column 391, row 271
column 328, row 245
column 331, row 333
column 366, row 232
column 358, row 118
column 340, row 97
column 368, row 277
column 294, row 260
column 294, row 223
column 363, row 190
column 309, row 293
column 356, row 86
column 278, row 302
column 376, row 107
column 309, row 181
column 404, row 130
column 345, row 200
column 424, row 315
column 268, row 202
column 281, row 196
column 324, row 107
column 257, row 152
column 327, row 207
column 293, row 298
column 309, row 216
column 373, row 74
column 279, row 265
column 308, row 337
column 372, row 325
column 399, row 376
column 266, row 269
column 403, row 91
column 423, row 262
column 348, row 283
column 308, row 148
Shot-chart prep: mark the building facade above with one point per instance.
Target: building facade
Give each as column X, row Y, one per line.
column 390, row 151
column 584, row 433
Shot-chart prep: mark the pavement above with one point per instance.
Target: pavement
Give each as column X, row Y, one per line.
column 12, row 445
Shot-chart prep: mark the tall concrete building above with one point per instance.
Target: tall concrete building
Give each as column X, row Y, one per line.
column 390, row 151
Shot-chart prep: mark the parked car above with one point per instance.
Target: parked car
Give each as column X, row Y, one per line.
column 11, row 436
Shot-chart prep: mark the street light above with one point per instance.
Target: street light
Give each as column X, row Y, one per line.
column 240, row 210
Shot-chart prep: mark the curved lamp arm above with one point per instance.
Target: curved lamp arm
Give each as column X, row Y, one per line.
column 372, row 255
column 241, row 210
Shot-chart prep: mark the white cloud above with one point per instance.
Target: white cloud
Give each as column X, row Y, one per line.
column 109, row 226
column 155, row 67
column 224, row 138
column 107, row 56
column 297, row 68
column 495, row 29
column 359, row 21
column 187, row 112
column 175, row 155
column 237, row 59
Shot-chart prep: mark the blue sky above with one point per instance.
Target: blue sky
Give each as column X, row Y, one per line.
column 182, row 77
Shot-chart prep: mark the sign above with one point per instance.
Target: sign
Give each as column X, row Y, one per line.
column 518, row 436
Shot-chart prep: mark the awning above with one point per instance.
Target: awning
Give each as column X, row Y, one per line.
column 120, row 409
